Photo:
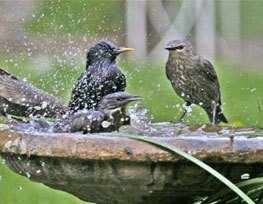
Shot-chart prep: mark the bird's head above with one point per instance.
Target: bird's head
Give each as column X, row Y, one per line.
column 117, row 101
column 104, row 50
column 180, row 48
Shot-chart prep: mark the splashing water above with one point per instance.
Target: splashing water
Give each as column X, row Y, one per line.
column 105, row 124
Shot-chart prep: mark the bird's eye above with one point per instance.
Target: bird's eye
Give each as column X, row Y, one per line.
column 180, row 47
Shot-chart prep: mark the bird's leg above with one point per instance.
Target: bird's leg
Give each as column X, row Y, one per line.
column 214, row 114
column 185, row 111
column 182, row 117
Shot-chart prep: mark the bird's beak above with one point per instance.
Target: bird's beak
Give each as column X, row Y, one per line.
column 135, row 98
column 169, row 47
column 124, row 49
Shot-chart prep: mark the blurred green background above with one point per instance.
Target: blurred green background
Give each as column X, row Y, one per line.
column 47, row 46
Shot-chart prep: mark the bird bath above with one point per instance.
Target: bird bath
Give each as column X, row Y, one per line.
column 105, row 169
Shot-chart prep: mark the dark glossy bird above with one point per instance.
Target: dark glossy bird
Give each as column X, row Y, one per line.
column 109, row 116
column 19, row 97
column 194, row 79
column 102, row 77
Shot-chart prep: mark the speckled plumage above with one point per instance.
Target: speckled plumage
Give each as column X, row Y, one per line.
column 19, row 97
column 194, row 79
column 109, row 116
column 102, row 77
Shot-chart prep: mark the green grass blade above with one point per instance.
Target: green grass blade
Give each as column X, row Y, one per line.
column 201, row 164
column 252, row 187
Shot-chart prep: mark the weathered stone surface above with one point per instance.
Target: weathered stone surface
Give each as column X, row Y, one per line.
column 118, row 170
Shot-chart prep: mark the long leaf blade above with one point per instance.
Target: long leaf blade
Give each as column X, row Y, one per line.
column 201, row 164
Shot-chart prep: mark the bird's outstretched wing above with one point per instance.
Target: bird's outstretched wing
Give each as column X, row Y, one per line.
column 19, row 93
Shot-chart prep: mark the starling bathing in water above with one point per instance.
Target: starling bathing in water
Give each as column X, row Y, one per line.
column 194, row 79
column 109, row 116
column 102, row 77
column 19, row 97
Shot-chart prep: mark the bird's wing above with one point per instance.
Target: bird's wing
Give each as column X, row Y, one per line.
column 89, row 122
column 18, row 91
column 210, row 73
column 80, row 122
column 5, row 73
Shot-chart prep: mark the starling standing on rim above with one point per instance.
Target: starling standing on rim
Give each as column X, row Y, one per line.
column 194, row 79
column 109, row 116
column 19, row 97
column 102, row 77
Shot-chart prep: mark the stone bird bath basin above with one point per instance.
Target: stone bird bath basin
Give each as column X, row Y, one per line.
column 105, row 169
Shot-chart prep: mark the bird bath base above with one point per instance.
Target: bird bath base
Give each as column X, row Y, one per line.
column 105, row 169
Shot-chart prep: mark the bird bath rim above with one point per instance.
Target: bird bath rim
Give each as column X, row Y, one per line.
column 238, row 149
column 104, row 169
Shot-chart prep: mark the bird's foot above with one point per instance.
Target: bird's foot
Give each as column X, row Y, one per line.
column 181, row 121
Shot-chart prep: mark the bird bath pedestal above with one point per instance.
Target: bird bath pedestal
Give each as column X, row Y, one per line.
column 105, row 169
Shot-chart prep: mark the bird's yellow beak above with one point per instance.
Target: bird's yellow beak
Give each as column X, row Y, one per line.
column 125, row 49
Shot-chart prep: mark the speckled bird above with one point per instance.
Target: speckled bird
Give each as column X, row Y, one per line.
column 109, row 116
column 194, row 79
column 19, row 97
column 102, row 77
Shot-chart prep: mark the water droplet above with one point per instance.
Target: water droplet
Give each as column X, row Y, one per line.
column 105, row 124
column 245, row 176
column 188, row 108
column 44, row 104
column 28, row 175
column 37, row 107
